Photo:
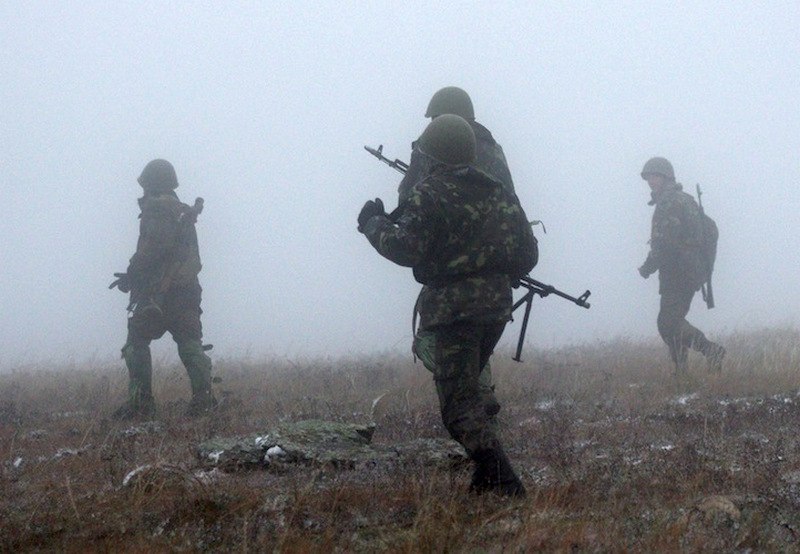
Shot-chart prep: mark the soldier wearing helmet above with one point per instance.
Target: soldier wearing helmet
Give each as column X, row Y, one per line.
column 452, row 233
column 489, row 154
column 489, row 157
column 675, row 252
column 165, row 293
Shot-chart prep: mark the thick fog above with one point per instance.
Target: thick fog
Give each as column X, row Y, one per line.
column 264, row 109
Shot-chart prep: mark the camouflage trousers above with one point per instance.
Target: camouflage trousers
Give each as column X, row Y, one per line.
column 178, row 311
column 424, row 349
column 679, row 334
column 457, row 355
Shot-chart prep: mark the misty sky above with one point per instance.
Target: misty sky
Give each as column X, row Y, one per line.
column 264, row 109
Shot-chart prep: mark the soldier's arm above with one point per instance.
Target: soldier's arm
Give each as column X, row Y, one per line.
column 408, row 241
column 158, row 234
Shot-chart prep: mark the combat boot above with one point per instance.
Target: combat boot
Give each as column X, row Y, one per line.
column 714, row 354
column 201, row 404
column 134, row 409
column 198, row 366
column 493, row 472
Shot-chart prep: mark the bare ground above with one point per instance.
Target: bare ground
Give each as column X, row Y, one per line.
column 617, row 455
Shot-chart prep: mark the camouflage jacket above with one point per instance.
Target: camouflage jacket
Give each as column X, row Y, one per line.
column 675, row 241
column 454, row 233
column 167, row 254
column 490, row 159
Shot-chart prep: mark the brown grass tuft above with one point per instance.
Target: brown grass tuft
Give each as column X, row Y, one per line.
column 617, row 454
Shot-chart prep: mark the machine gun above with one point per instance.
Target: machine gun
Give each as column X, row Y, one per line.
column 534, row 288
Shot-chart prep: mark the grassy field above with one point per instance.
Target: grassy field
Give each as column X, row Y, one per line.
column 616, row 453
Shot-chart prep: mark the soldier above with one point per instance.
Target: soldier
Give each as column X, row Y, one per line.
column 457, row 232
column 165, row 293
column 491, row 160
column 490, row 156
column 676, row 253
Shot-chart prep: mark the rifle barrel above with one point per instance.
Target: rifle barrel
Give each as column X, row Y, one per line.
column 397, row 164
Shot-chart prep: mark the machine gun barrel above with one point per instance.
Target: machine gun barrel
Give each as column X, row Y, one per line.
column 535, row 288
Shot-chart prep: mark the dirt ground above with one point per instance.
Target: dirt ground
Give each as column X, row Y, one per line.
column 616, row 452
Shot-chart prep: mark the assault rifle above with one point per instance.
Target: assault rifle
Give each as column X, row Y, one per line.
column 399, row 165
column 706, row 288
column 538, row 288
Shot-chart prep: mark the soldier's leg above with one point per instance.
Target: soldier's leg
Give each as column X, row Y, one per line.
column 425, row 349
column 136, row 353
column 692, row 337
column 680, row 335
column 459, row 351
column 671, row 325
column 455, row 370
column 486, row 385
column 198, row 367
column 187, row 331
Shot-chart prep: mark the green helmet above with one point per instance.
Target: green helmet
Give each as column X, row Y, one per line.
column 450, row 100
column 158, row 175
column 660, row 166
column 449, row 139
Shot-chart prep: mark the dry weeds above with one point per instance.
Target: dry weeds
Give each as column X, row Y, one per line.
column 617, row 455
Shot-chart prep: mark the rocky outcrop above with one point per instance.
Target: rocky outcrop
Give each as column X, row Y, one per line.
column 341, row 445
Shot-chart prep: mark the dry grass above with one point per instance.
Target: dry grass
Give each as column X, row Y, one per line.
column 616, row 453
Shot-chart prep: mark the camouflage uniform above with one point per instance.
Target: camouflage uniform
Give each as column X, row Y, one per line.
column 451, row 233
column 491, row 160
column 675, row 252
column 165, row 296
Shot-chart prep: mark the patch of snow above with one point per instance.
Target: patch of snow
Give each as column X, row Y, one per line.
column 755, row 437
column 664, row 446
column 546, row 405
column 143, row 429
column 274, row 452
column 684, row 399
column 262, row 441
column 76, row 413
column 133, row 473
column 18, row 462
column 208, row 477
column 64, row 452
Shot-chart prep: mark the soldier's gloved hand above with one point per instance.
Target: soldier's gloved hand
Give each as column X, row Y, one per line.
column 371, row 209
column 123, row 282
column 643, row 272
